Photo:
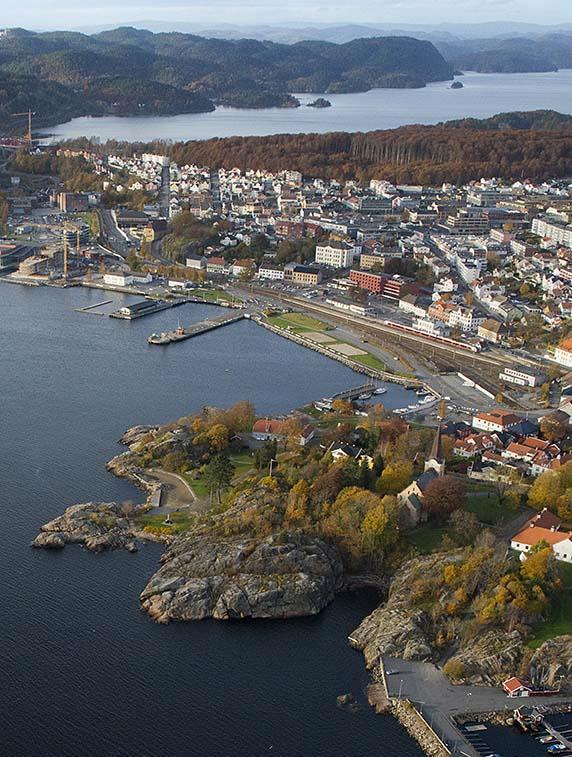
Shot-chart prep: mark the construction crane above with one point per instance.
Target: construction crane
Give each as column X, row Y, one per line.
column 29, row 114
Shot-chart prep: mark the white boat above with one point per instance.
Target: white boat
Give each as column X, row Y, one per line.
column 380, row 390
column 364, row 396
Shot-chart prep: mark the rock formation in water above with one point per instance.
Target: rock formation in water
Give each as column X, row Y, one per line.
column 279, row 576
column 98, row 526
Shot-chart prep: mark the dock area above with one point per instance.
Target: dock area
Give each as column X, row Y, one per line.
column 144, row 307
column 183, row 333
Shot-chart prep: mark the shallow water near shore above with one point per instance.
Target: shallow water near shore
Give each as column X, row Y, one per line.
column 84, row 672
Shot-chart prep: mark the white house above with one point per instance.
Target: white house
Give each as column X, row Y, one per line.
column 126, row 278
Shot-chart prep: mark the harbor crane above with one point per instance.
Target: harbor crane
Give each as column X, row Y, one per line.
column 29, row 114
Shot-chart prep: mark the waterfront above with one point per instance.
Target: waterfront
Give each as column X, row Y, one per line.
column 482, row 95
column 84, row 671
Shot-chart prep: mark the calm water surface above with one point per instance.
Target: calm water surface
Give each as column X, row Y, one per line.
column 82, row 671
column 483, row 95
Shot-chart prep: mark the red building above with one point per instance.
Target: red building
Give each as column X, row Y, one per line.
column 373, row 282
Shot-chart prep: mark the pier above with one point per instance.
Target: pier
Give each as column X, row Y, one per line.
column 558, row 735
column 188, row 332
column 91, row 308
column 143, row 308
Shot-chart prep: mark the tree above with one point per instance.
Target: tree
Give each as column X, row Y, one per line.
column 395, row 477
column 443, row 496
column 298, row 502
column 265, row 454
column 218, row 473
column 464, row 526
column 554, row 429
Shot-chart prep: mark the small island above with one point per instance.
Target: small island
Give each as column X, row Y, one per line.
column 320, row 102
column 457, row 85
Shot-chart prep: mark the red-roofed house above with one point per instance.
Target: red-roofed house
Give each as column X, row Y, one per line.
column 496, row 420
column 267, row 429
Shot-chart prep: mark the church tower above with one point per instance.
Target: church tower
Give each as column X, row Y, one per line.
column 436, row 460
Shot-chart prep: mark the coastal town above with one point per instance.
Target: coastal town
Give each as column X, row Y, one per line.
column 461, row 295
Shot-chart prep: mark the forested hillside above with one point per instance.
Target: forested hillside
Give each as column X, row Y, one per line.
column 134, row 72
column 418, row 154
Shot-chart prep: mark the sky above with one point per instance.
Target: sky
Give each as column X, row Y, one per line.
column 70, row 14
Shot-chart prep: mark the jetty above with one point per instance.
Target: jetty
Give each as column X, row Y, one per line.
column 188, row 332
column 92, row 308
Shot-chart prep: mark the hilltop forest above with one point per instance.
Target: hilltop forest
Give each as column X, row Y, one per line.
column 135, row 72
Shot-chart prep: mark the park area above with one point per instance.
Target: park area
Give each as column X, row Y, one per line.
column 324, row 335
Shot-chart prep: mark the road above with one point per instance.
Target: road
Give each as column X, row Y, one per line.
column 165, row 192
column 111, row 234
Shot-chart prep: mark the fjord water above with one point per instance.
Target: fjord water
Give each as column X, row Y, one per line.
column 482, row 95
column 83, row 672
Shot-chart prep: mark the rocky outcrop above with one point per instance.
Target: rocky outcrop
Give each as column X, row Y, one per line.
column 98, row 526
column 551, row 664
column 137, row 434
column 491, row 657
column 278, row 576
column 397, row 629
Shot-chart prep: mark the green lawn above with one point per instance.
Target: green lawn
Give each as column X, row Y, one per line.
column 426, row 538
column 559, row 619
column 298, row 322
column 182, row 521
column 243, row 463
column 487, row 508
column 371, row 361
column 212, row 295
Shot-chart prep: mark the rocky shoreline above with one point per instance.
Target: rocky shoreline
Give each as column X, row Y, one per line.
column 217, row 569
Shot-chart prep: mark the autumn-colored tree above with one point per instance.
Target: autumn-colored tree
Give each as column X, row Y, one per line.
column 395, row 477
column 538, row 564
column 554, row 429
column 217, row 437
column 298, row 504
column 342, row 407
column 442, row 496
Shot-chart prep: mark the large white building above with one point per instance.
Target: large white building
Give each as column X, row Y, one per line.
column 335, row 254
column 270, row 271
column 563, row 353
column 556, row 232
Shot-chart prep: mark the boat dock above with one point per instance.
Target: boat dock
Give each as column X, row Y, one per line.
column 91, row 308
column 188, row 332
column 559, row 736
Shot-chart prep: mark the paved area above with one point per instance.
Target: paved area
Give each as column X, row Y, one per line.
column 425, row 685
column 177, row 493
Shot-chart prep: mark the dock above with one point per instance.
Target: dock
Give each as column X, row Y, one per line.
column 188, row 332
column 558, row 735
column 91, row 308
column 144, row 307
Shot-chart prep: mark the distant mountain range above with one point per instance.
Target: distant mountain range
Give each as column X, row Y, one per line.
column 127, row 71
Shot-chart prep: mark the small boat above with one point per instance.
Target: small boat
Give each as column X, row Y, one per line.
column 365, row 396
column 380, row 390
column 420, row 392
column 159, row 339
column 553, row 748
column 546, row 739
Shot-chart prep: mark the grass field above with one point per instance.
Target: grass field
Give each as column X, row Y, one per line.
column 371, row 361
column 181, row 521
column 559, row 619
column 299, row 323
column 212, row 295
column 243, row 463
column 486, row 506
column 426, row 538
